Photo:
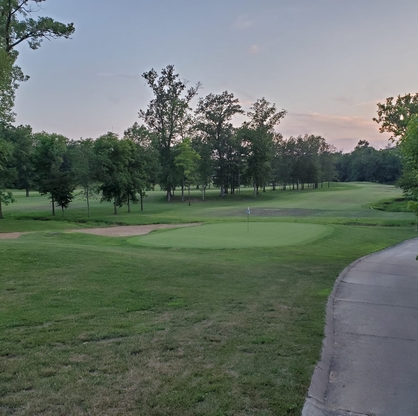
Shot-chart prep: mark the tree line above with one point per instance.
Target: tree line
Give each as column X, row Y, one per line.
column 175, row 145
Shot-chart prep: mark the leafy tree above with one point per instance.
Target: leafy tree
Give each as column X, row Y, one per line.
column 16, row 26
column 53, row 169
column 259, row 133
column 186, row 160
column 21, row 138
column 111, row 171
column 395, row 114
column 143, row 167
column 167, row 117
column 409, row 150
column 10, row 76
column 204, row 170
column 6, row 174
column 83, row 163
column 214, row 114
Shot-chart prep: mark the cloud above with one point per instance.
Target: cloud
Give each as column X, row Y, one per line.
column 254, row 49
column 242, row 23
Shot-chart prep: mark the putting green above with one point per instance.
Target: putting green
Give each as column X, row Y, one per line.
column 235, row 235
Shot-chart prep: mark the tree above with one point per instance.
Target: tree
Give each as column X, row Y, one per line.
column 9, row 78
column 395, row 114
column 409, row 151
column 112, row 159
column 167, row 117
column 16, row 26
column 214, row 114
column 143, row 167
column 6, row 197
column 53, row 169
column 83, row 162
column 204, row 169
column 21, row 138
column 259, row 133
column 186, row 160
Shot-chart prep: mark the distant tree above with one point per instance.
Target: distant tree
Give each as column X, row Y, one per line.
column 144, row 165
column 213, row 121
column 83, row 163
column 6, row 174
column 204, row 169
column 186, row 160
column 167, row 117
column 395, row 114
column 111, row 171
column 21, row 138
column 259, row 134
column 53, row 169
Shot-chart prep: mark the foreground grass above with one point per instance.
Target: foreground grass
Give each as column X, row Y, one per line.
column 92, row 325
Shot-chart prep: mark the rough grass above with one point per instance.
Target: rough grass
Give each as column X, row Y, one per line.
column 93, row 325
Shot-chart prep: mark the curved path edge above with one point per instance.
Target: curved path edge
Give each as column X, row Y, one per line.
column 315, row 403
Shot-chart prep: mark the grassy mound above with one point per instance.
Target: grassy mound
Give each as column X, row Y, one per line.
column 235, row 235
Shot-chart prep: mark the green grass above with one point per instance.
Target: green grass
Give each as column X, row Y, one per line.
column 235, row 235
column 95, row 325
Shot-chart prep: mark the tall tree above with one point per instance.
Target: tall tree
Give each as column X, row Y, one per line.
column 167, row 117
column 260, row 133
column 21, row 138
column 186, row 160
column 214, row 114
column 53, row 169
column 83, row 163
column 112, row 159
column 144, row 165
column 18, row 25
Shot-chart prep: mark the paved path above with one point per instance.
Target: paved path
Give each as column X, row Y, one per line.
column 369, row 363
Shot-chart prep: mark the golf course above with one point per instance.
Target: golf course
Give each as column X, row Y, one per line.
column 222, row 318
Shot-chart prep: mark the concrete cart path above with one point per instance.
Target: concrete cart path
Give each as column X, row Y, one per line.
column 369, row 363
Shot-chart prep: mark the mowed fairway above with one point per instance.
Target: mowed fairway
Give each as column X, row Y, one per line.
column 236, row 235
column 95, row 325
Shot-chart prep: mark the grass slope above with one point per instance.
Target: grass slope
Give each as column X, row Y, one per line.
column 94, row 325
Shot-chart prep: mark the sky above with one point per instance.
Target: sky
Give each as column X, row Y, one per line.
column 327, row 62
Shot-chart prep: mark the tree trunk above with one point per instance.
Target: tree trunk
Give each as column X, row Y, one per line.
column 53, row 205
column 203, row 192
column 88, row 202
column 182, row 191
column 27, row 192
column 62, row 210
column 1, row 210
column 129, row 203
column 115, row 211
column 168, row 195
column 141, row 197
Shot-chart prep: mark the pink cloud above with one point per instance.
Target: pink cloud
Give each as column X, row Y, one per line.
column 344, row 132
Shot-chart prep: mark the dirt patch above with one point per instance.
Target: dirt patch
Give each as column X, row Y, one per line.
column 131, row 230
column 7, row 236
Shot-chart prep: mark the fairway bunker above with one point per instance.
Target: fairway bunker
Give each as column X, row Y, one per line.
column 235, row 235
